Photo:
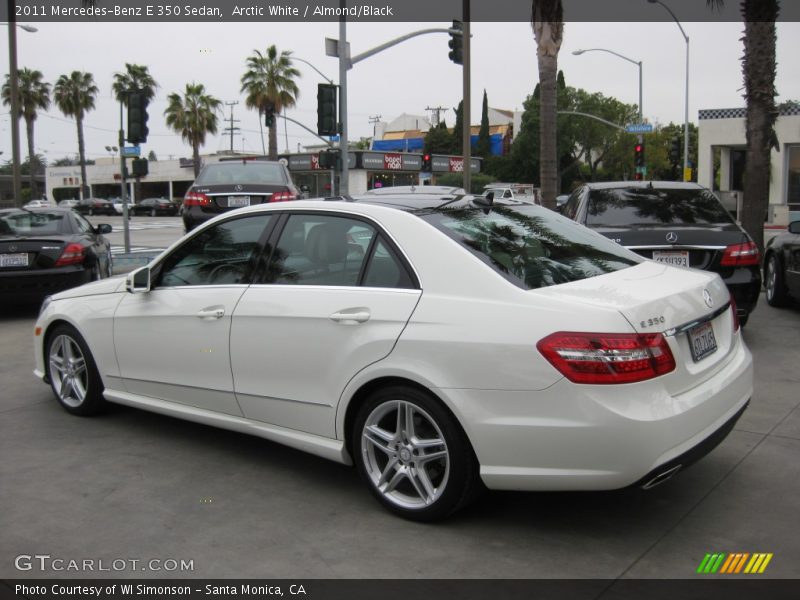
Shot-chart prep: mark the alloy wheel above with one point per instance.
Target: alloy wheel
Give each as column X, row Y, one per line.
column 68, row 371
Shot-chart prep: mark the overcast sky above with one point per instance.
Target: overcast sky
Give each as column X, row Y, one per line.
column 406, row 78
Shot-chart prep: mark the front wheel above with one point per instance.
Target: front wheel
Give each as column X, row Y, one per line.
column 72, row 372
column 774, row 284
column 413, row 455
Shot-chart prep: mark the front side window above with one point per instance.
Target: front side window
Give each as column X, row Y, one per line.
column 320, row 250
column 532, row 247
column 221, row 255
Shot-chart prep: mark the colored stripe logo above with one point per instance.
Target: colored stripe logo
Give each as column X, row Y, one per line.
column 735, row 562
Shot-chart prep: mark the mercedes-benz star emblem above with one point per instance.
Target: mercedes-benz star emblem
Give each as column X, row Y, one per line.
column 672, row 237
column 239, row 187
column 708, row 299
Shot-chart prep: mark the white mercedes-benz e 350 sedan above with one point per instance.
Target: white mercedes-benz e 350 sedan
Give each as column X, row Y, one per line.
column 440, row 343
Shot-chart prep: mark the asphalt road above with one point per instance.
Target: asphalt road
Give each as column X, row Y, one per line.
column 134, row 485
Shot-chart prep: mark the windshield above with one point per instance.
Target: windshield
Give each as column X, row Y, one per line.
column 652, row 207
column 257, row 173
column 530, row 246
column 30, row 223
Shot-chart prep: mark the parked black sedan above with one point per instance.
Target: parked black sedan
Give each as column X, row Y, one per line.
column 154, row 207
column 95, row 206
column 43, row 251
column 782, row 266
column 681, row 224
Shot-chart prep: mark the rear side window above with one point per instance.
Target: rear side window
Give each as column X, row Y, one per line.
column 631, row 207
column 251, row 173
column 532, row 247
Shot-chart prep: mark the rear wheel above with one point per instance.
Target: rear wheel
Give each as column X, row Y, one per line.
column 774, row 283
column 413, row 455
column 72, row 372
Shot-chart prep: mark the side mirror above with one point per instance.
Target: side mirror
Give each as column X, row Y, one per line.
column 103, row 228
column 794, row 227
column 138, row 281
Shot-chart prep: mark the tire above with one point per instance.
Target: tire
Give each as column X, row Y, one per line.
column 72, row 372
column 109, row 265
column 774, row 283
column 388, row 454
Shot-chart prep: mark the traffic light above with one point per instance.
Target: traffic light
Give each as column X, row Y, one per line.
column 327, row 122
column 269, row 115
column 675, row 150
column 426, row 163
column 139, row 167
column 638, row 155
column 456, row 43
column 137, row 117
column 327, row 159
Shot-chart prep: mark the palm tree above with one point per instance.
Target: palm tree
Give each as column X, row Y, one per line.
column 74, row 94
column 135, row 77
column 548, row 29
column 34, row 94
column 758, row 68
column 270, row 87
column 193, row 116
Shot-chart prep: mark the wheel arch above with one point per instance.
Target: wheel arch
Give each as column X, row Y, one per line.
column 48, row 333
column 367, row 388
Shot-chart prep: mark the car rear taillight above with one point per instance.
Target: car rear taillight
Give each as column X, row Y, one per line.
column 73, row 254
column 735, row 315
column 740, row 255
column 284, row 196
column 196, row 199
column 608, row 358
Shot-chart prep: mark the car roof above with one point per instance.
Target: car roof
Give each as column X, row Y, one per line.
column 412, row 202
column 414, row 189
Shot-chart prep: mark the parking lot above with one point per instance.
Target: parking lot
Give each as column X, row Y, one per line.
column 137, row 486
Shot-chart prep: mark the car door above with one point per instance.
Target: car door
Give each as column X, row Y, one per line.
column 334, row 298
column 172, row 342
column 792, row 258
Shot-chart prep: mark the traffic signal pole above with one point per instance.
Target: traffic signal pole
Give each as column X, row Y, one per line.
column 466, row 110
column 344, row 64
column 123, row 184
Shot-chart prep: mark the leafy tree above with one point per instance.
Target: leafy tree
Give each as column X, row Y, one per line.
column 483, row 146
column 269, row 83
column 457, row 136
column 193, row 115
column 548, row 30
column 438, row 140
column 74, row 94
column 34, row 94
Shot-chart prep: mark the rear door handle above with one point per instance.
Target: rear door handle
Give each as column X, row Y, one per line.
column 213, row 312
column 357, row 316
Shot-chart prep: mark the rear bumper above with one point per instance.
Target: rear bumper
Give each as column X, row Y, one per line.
column 573, row 437
column 744, row 285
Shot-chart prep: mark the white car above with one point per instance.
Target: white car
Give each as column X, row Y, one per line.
column 437, row 344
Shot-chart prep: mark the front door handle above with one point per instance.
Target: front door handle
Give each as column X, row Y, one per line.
column 357, row 316
column 214, row 312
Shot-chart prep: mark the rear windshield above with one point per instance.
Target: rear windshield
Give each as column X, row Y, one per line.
column 31, row 224
column 244, row 173
column 531, row 247
column 648, row 207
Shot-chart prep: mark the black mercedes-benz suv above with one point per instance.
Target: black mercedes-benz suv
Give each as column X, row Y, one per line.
column 681, row 224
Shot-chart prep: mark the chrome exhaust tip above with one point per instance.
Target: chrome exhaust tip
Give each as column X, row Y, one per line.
column 661, row 477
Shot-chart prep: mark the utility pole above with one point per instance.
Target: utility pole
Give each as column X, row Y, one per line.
column 231, row 129
column 436, row 112
column 374, row 122
column 344, row 64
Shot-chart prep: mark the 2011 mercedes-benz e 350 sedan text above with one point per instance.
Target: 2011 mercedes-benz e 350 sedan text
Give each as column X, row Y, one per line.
column 439, row 344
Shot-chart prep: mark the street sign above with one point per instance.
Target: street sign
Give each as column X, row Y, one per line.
column 639, row 128
column 131, row 150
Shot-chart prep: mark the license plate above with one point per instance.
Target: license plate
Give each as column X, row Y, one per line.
column 702, row 341
column 14, row 260
column 237, row 201
column 676, row 258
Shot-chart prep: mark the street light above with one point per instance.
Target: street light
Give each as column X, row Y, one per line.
column 112, row 150
column 14, row 81
column 638, row 63
column 686, row 103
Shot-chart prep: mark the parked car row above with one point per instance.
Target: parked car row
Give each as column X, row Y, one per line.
column 114, row 206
